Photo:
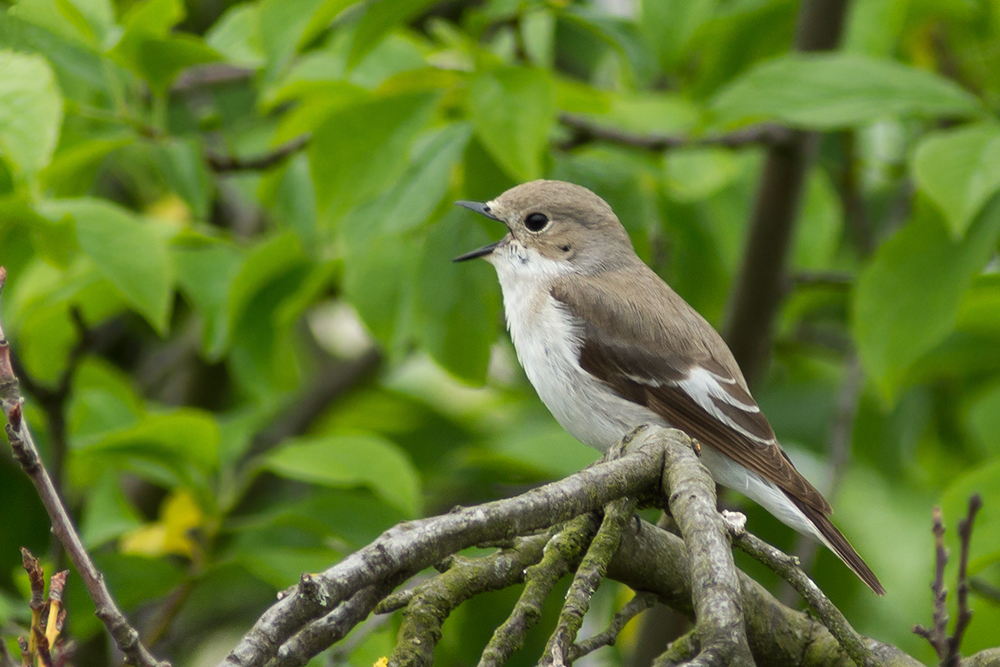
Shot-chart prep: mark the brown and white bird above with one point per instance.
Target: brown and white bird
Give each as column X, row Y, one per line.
column 608, row 345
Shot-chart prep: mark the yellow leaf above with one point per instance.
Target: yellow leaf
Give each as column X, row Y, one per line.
column 178, row 515
column 381, row 662
column 171, row 208
column 148, row 540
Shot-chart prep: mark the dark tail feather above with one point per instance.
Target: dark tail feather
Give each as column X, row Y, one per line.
column 840, row 546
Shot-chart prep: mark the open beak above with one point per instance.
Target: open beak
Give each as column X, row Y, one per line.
column 482, row 209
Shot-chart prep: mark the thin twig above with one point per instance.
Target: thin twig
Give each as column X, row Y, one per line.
column 222, row 164
column 938, row 635
column 586, row 130
column 787, row 567
column 638, row 604
column 26, row 453
column 964, row 613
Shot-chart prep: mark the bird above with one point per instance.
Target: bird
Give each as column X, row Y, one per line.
column 609, row 346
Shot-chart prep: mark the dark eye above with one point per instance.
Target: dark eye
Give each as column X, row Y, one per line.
column 535, row 222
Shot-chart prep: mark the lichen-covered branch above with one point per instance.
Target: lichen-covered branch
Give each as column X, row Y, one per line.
column 717, row 596
column 588, row 577
column 435, row 599
column 788, row 569
column 651, row 559
column 562, row 552
column 419, row 544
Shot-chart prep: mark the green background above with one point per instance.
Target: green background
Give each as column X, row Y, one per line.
column 191, row 307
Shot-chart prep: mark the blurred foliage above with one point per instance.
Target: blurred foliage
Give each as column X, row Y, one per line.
column 208, row 209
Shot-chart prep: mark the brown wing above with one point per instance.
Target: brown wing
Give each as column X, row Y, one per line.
column 652, row 357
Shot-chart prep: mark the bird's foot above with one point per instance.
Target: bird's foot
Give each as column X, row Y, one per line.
column 735, row 521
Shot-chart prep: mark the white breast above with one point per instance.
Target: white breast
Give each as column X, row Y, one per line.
column 547, row 342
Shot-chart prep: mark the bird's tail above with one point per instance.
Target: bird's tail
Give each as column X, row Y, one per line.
column 839, row 545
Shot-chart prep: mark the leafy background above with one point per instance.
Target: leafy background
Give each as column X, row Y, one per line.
column 241, row 369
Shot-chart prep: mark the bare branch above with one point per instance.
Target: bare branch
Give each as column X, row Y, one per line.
column 964, row 613
column 26, row 453
column 680, row 651
column 228, row 163
column 586, row 130
column 938, row 635
column 654, row 560
column 787, row 567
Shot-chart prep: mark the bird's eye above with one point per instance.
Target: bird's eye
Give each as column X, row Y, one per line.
column 536, row 222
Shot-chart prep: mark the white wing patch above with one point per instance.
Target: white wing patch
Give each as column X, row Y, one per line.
column 703, row 386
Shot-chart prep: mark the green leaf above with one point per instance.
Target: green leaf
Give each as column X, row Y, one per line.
column 356, row 152
column 266, row 262
column 959, row 170
column 351, row 460
column 180, row 438
column 183, row 167
column 696, row 173
column 128, row 252
column 513, row 110
column 285, row 25
column 670, row 25
column 87, row 22
column 648, row 113
column 152, row 17
column 291, row 197
column 380, row 257
column 378, row 20
column 425, row 183
column 984, row 421
column 237, row 36
column 907, row 299
column 281, row 566
column 457, row 305
column 817, row 234
column 538, row 34
column 134, row 580
column 836, row 91
column 108, row 514
column 30, row 111
column 72, row 171
column 147, row 19
column 206, row 276
column 161, row 60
